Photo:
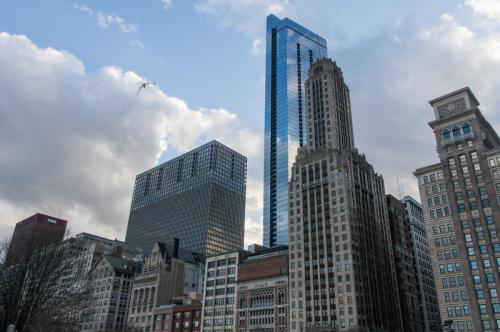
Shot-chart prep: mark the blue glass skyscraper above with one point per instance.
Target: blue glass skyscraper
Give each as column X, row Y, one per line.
column 290, row 49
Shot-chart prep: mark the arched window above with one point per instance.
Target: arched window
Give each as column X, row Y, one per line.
column 456, row 132
column 446, row 134
column 466, row 128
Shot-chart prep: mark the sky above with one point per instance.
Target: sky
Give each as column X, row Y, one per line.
column 74, row 132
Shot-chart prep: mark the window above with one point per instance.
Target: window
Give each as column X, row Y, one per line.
column 485, row 203
column 476, row 280
column 490, row 277
column 459, row 196
column 486, row 325
column 482, row 309
column 493, row 233
column 461, row 208
column 493, row 292
column 480, row 294
column 490, row 220
column 473, row 265
column 446, row 135
column 466, row 128
column 456, row 132
column 483, row 249
column 470, row 251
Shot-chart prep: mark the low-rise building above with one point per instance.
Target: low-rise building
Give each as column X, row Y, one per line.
column 262, row 293
column 168, row 272
column 110, row 286
column 184, row 315
column 246, row 290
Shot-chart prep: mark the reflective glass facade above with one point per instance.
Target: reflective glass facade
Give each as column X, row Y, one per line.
column 198, row 197
column 290, row 49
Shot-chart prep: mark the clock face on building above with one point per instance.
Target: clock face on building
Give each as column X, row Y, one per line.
column 450, row 107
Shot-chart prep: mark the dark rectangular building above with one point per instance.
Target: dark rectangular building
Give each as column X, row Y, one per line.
column 198, row 197
column 33, row 233
column 405, row 265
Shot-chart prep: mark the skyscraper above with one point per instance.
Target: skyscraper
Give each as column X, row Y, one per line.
column 423, row 265
column 290, row 49
column 460, row 197
column 198, row 198
column 33, row 233
column 342, row 272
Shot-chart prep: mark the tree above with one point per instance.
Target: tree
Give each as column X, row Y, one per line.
column 44, row 290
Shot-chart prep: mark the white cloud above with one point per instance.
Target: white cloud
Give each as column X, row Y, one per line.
column 253, row 232
column 167, row 4
column 71, row 142
column 83, row 8
column 136, row 43
column 106, row 21
column 489, row 8
column 247, row 16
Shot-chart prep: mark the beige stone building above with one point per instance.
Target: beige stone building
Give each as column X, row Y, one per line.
column 462, row 214
column 168, row 272
column 342, row 273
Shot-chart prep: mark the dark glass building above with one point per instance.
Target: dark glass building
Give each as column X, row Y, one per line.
column 290, row 49
column 198, row 198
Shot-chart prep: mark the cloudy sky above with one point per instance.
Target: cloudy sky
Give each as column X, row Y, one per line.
column 74, row 133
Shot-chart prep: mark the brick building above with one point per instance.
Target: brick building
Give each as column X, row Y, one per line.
column 184, row 315
column 262, row 293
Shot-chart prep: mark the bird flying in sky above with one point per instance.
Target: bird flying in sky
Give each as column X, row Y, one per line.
column 144, row 85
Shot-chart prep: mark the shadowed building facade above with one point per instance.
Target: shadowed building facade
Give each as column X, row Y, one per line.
column 460, row 198
column 198, row 198
column 33, row 233
column 290, row 50
column 423, row 265
column 342, row 273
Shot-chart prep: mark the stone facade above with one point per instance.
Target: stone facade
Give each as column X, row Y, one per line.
column 342, row 273
column 262, row 293
column 462, row 212
column 166, row 273
column 110, row 286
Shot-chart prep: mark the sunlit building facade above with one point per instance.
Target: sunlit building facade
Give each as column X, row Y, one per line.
column 290, row 49
column 460, row 198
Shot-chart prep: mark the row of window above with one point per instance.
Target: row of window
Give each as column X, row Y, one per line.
column 442, row 229
column 452, row 281
column 222, row 262
column 450, row 267
column 456, row 132
column 439, row 213
column 481, row 236
column 486, row 264
column 444, row 241
column 457, row 311
column 485, row 203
